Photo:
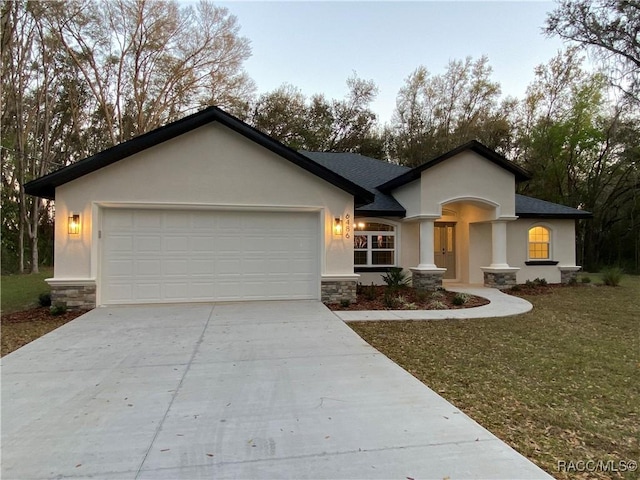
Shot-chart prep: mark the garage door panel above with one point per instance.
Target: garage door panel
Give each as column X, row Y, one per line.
column 123, row 220
column 202, row 290
column 151, row 219
column 123, row 291
column 120, row 243
column 175, row 266
column 278, row 266
column 148, row 291
column 200, row 266
column 173, row 243
column 120, row 268
column 202, row 244
column 228, row 266
column 172, row 256
column 147, row 244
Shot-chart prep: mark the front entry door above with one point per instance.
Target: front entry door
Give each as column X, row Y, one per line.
column 445, row 248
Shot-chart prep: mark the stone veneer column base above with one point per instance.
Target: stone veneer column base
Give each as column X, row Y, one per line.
column 500, row 278
column 427, row 279
column 73, row 294
column 569, row 274
column 338, row 288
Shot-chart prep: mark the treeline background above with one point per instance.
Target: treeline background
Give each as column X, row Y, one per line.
column 81, row 76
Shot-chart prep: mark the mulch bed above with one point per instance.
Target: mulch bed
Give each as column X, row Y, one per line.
column 40, row 314
column 420, row 301
column 20, row 328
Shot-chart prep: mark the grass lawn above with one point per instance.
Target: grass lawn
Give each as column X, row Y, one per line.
column 561, row 383
column 19, row 292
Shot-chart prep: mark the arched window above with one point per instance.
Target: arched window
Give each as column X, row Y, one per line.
column 539, row 243
column 374, row 244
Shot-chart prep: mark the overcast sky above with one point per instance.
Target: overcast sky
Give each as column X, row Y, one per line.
column 316, row 46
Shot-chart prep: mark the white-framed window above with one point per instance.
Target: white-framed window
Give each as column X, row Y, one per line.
column 539, row 240
column 374, row 243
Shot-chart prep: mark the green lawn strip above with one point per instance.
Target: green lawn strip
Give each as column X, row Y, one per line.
column 19, row 292
column 558, row 383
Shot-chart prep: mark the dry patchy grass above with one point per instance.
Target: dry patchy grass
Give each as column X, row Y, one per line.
column 20, row 328
column 558, row 384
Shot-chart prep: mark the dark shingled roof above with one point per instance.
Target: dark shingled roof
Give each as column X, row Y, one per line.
column 368, row 173
column 370, row 181
column 528, row 207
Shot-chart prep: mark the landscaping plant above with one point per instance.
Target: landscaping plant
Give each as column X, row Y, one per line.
column 612, row 276
column 396, row 278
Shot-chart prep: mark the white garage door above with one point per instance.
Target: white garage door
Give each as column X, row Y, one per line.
column 151, row 256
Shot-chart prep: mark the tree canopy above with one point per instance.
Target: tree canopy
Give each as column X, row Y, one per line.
column 79, row 76
column 610, row 29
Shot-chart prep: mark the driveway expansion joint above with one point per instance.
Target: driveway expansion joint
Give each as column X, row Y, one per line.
column 176, row 391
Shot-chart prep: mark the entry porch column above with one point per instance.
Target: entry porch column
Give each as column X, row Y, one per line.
column 499, row 274
column 427, row 276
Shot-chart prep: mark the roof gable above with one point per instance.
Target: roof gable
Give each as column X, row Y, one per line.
column 475, row 146
column 45, row 186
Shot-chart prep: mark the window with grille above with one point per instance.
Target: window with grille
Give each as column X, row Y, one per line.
column 539, row 243
column 374, row 244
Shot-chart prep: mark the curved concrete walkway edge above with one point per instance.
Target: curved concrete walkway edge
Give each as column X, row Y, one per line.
column 501, row 305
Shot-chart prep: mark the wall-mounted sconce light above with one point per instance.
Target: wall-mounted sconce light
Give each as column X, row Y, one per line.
column 337, row 226
column 360, row 226
column 74, row 224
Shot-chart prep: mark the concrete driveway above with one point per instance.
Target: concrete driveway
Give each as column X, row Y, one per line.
column 250, row 390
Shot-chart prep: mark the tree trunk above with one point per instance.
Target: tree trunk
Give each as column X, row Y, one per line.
column 33, row 235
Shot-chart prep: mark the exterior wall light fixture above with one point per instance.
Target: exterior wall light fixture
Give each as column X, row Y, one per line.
column 74, row 224
column 337, row 226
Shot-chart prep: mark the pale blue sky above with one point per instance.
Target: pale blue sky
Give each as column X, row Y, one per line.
column 316, row 46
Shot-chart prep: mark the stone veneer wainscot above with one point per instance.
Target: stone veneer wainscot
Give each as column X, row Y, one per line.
column 427, row 280
column 335, row 291
column 73, row 294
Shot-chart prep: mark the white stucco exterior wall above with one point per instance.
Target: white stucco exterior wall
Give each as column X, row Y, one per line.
column 467, row 176
column 563, row 248
column 410, row 196
column 211, row 167
column 467, row 189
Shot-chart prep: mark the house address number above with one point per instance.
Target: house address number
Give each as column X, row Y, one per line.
column 347, row 226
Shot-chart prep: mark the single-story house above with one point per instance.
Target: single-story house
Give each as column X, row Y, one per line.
column 208, row 208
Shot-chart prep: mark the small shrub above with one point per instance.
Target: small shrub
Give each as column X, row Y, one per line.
column 516, row 288
column 437, row 294
column 437, row 305
column 396, row 278
column 460, row 299
column 421, row 296
column 370, row 293
column 612, row 276
column 44, row 299
column 58, row 309
column 405, row 303
column 573, row 281
column 540, row 282
column 359, row 288
column 529, row 283
column 585, row 280
column 345, row 302
column 390, row 300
